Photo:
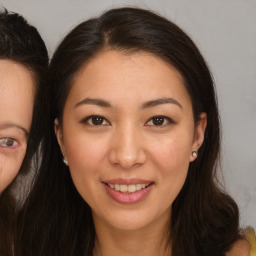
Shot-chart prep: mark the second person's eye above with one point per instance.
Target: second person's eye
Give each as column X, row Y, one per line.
column 7, row 142
column 95, row 120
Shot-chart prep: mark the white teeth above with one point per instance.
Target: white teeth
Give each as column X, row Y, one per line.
column 138, row 186
column 132, row 188
column 123, row 188
column 127, row 188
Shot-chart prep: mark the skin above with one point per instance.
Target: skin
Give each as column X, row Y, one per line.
column 128, row 145
column 16, row 107
column 241, row 248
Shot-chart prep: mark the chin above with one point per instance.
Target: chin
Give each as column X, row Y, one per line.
column 133, row 219
column 129, row 223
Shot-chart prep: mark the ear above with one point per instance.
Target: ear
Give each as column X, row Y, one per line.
column 59, row 135
column 199, row 134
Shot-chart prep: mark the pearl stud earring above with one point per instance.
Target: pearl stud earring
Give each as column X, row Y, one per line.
column 65, row 161
column 194, row 153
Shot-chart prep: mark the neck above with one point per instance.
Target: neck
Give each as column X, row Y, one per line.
column 147, row 241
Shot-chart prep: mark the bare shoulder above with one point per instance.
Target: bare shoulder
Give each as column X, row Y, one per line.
column 240, row 248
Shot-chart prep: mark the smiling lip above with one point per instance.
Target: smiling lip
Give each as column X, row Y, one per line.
column 128, row 191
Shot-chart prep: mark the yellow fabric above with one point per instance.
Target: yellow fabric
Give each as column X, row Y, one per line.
column 250, row 236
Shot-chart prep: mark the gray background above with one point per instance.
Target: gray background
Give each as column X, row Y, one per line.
column 225, row 32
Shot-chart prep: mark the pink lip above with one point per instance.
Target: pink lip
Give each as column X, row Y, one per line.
column 128, row 198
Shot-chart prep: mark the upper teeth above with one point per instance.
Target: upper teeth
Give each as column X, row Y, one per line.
column 127, row 188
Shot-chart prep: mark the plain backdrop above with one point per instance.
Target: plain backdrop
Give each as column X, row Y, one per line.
column 225, row 32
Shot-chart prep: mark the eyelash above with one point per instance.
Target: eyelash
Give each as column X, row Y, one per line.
column 166, row 121
column 89, row 120
column 4, row 143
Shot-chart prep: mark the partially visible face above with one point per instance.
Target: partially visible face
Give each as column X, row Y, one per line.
column 16, row 108
column 128, row 134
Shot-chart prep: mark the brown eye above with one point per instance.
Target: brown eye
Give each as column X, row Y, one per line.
column 159, row 120
column 95, row 121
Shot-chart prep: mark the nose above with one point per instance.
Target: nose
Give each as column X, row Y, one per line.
column 127, row 149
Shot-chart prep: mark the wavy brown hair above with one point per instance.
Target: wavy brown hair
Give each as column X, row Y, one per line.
column 56, row 220
column 21, row 43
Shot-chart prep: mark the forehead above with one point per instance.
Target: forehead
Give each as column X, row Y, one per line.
column 17, row 94
column 117, row 75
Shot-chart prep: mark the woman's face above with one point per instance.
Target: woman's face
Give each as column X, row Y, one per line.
column 16, row 107
column 128, row 134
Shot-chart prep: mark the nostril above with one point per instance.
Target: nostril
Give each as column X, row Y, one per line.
column 127, row 161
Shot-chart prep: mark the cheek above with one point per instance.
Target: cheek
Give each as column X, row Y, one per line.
column 171, row 152
column 84, row 153
column 171, row 158
column 9, row 168
column 85, row 157
column 173, row 163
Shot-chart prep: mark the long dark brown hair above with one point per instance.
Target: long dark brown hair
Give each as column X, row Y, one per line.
column 56, row 220
column 21, row 43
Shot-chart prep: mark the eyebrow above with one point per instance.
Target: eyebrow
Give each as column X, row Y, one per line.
column 148, row 104
column 160, row 101
column 98, row 102
column 13, row 125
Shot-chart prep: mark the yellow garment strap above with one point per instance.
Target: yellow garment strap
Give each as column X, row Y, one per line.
column 250, row 236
